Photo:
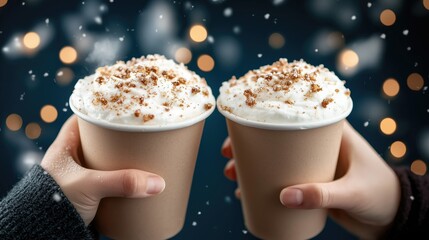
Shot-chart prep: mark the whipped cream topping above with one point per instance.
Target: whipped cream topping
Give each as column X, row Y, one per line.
column 286, row 92
column 150, row 90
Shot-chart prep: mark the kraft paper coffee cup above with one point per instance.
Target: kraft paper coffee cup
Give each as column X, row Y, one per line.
column 169, row 151
column 270, row 157
column 147, row 113
column 285, row 122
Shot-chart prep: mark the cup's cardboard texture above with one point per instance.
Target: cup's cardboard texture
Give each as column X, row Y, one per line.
column 171, row 154
column 268, row 161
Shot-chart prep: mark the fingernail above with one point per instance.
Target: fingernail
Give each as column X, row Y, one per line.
column 154, row 185
column 291, row 197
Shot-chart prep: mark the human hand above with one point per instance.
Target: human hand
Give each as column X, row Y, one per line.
column 86, row 187
column 363, row 198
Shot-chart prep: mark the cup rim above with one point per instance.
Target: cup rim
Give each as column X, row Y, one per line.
column 142, row 128
column 284, row 126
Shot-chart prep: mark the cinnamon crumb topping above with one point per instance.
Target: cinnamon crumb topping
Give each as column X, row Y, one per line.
column 148, row 117
column 326, row 101
column 208, row 106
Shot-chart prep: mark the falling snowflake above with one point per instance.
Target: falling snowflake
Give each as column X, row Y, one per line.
column 405, row 32
column 369, row 4
column 194, row 223
column 365, row 124
column 227, row 12
column 267, row 16
column 259, row 55
column 383, row 36
column 56, row 197
column 353, row 17
column 46, row 74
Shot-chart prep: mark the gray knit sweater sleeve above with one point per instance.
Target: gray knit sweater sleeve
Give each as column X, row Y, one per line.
column 36, row 208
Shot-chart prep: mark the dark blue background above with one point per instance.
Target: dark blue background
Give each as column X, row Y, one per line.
column 212, row 204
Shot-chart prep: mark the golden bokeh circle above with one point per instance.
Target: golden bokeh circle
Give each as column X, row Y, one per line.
column 349, row 58
column 14, row 122
column 64, row 76
column 387, row 17
column 48, row 113
column 276, row 40
column 398, row 149
column 31, row 40
column 388, row 126
column 33, row 130
column 198, row 33
column 205, row 63
column 415, row 81
column 418, row 167
column 391, row 87
column 425, row 4
column 68, row 55
column 3, row 3
column 183, row 55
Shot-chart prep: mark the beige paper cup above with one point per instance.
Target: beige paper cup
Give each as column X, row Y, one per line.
column 270, row 157
column 169, row 151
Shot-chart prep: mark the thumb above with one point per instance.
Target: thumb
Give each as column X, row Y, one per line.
column 334, row 194
column 128, row 183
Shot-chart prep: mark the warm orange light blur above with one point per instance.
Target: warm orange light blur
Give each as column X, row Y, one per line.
column 64, row 76
column 276, row 40
column 388, row 126
column 3, row 2
column 398, row 149
column 387, row 17
column 183, row 55
column 198, row 33
column 349, row 58
column 33, row 130
column 31, row 40
column 426, row 4
column 418, row 167
column 48, row 113
column 415, row 81
column 14, row 122
column 205, row 63
column 391, row 87
column 68, row 55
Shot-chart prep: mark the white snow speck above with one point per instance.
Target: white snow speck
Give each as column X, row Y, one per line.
column 199, row 212
column 64, row 109
column 369, row 4
column 277, row 2
column 21, row 98
column 208, row 203
column 227, row 12
column 267, row 16
column 160, row 16
column 210, row 39
column 405, row 32
column 365, row 124
column 412, row 198
column 30, row 72
column 353, row 17
column 122, row 38
column 259, row 55
column 316, row 50
column 383, row 36
column 46, row 74
column 236, row 29
column 244, row 231
column 60, row 73
column 194, row 223
column 408, row 48
column 80, row 27
column 56, row 197
column 47, row 20
column 98, row 20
